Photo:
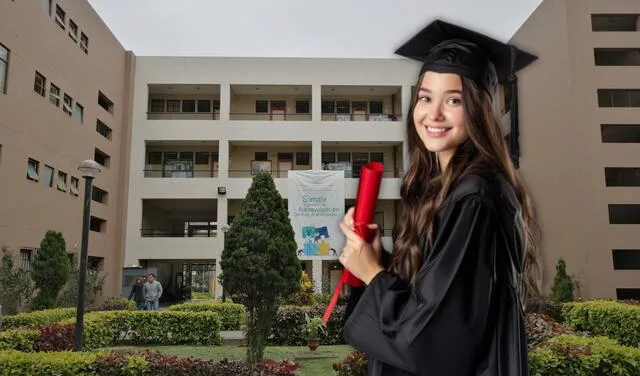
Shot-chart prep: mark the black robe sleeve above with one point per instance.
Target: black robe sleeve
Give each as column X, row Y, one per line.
column 437, row 326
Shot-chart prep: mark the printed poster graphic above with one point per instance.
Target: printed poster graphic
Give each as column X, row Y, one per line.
column 316, row 207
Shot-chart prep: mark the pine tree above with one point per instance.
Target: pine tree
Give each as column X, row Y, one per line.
column 562, row 289
column 259, row 261
column 50, row 270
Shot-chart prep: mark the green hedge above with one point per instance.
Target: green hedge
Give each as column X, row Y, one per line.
column 584, row 356
column 289, row 326
column 146, row 363
column 47, row 316
column 18, row 339
column 15, row 363
column 109, row 328
column 612, row 319
column 232, row 315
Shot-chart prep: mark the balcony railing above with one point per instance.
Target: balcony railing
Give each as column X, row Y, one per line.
column 361, row 117
column 389, row 174
column 171, row 233
column 159, row 172
column 269, row 116
column 183, row 116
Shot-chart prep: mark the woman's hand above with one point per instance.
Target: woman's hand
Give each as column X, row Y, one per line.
column 361, row 258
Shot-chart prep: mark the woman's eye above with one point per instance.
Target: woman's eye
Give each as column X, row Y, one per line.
column 424, row 99
column 455, row 101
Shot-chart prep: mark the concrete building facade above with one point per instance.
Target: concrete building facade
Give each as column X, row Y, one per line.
column 65, row 87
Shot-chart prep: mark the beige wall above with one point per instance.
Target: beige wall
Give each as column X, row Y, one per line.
column 563, row 158
column 32, row 127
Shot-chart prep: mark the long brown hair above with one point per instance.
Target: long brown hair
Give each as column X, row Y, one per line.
column 425, row 187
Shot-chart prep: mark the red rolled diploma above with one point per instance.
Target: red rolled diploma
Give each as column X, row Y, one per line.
column 363, row 215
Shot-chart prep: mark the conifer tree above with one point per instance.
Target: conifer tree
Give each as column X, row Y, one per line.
column 259, row 261
column 50, row 270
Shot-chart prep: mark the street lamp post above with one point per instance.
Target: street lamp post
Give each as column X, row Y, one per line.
column 88, row 169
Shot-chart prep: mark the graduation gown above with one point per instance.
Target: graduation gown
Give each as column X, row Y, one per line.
column 462, row 317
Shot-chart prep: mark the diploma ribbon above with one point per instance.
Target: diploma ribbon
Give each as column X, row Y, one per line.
column 365, row 209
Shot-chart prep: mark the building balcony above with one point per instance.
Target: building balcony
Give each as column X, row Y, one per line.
column 361, row 103
column 270, row 102
column 179, row 218
column 181, row 159
column 183, row 102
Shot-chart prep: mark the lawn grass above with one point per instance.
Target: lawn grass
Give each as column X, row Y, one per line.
column 312, row 363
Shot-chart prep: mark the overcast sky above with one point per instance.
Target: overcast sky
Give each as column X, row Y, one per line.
column 300, row 28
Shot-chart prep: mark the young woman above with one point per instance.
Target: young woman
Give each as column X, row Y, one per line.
column 448, row 300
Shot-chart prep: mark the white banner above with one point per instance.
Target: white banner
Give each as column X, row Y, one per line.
column 316, row 207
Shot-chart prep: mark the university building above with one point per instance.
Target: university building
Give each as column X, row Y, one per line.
column 181, row 137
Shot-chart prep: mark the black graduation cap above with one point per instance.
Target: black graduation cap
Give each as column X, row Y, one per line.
column 447, row 48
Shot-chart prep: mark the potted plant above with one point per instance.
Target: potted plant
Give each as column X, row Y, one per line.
column 314, row 327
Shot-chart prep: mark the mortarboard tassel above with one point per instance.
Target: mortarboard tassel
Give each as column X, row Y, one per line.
column 514, row 146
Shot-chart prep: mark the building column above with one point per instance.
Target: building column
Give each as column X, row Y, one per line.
column 316, row 154
column 223, row 160
column 225, row 102
column 316, row 102
column 406, row 107
column 316, row 270
column 222, row 220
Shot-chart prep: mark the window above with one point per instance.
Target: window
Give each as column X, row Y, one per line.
column 157, row 105
column 627, row 294
column 617, row 56
column 105, row 102
column 620, row 133
column 99, row 195
column 67, row 105
column 154, row 158
column 39, row 84
column 95, row 263
column 614, row 22
column 101, row 157
column 60, row 17
column 302, row 107
column 32, row 169
column 4, row 67
column 376, row 107
column 303, row 158
column 261, row 156
column 262, row 107
column 204, row 106
column 622, row 176
column 54, row 95
column 25, row 259
column 173, row 105
column 73, row 186
column 202, row 158
column 62, row 181
column 619, row 97
column 73, row 30
column 48, row 176
column 626, row 259
column 84, row 43
column 103, row 129
column 188, row 105
column 624, row 214
column 97, row 224
column 79, row 113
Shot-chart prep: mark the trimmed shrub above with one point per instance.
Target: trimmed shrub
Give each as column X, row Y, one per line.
column 47, row 316
column 289, row 326
column 16, row 363
column 18, row 339
column 232, row 315
column 605, row 318
column 548, row 307
column 113, row 304
column 584, row 356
